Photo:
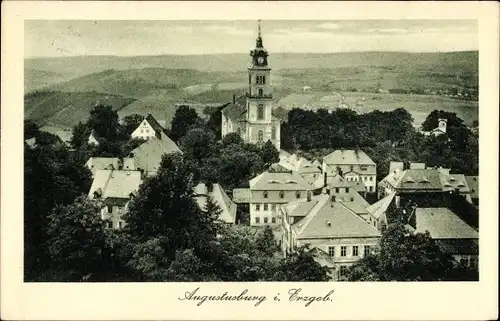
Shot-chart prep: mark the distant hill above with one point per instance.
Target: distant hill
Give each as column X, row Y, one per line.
column 66, row 109
column 466, row 61
column 156, row 84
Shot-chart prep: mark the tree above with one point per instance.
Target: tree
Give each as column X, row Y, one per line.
column 80, row 136
column 300, row 266
column 232, row 138
column 131, row 122
column 185, row 117
column 198, row 144
column 165, row 209
column 270, row 154
column 30, row 129
column 239, row 165
column 403, row 256
column 77, row 240
column 104, row 121
column 266, row 243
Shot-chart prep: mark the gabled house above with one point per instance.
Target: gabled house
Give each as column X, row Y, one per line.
column 110, row 163
column 379, row 210
column 147, row 157
column 451, row 234
column 327, row 225
column 353, row 165
column 305, row 168
column 267, row 191
column 93, row 138
column 114, row 189
column 202, row 191
column 64, row 135
column 148, row 128
column 421, row 179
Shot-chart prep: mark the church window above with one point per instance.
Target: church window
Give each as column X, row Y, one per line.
column 261, row 92
column 261, row 135
column 260, row 112
column 273, row 133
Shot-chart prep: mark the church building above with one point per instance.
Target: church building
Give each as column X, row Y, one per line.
column 251, row 116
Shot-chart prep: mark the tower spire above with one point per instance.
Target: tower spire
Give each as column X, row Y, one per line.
column 259, row 37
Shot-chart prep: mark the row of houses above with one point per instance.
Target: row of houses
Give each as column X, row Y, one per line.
column 323, row 204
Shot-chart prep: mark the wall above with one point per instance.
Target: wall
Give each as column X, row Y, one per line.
column 116, row 216
column 273, row 198
column 144, row 131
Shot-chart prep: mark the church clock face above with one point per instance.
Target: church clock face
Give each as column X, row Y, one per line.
column 260, row 60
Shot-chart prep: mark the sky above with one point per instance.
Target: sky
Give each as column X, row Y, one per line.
column 56, row 38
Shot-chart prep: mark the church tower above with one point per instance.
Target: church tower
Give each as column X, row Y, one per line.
column 261, row 124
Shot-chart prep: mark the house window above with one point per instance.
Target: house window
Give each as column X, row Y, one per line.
column 142, row 131
column 266, row 194
column 297, row 194
column 337, row 190
column 355, row 251
column 120, row 225
column 343, row 270
column 261, row 136
column 371, row 178
column 343, row 250
column 282, row 194
column 266, row 207
column 331, row 250
column 363, row 168
column 347, row 189
column 249, row 79
column 257, row 220
column 261, row 92
column 273, row 220
column 273, row 133
column 273, row 207
column 367, row 250
column 260, row 112
column 257, row 207
column 352, row 168
column 265, row 219
column 110, row 224
column 370, row 188
column 110, row 209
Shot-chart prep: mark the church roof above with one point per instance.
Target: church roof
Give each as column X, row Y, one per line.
column 236, row 111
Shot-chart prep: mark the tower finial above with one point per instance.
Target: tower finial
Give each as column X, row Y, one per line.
column 259, row 38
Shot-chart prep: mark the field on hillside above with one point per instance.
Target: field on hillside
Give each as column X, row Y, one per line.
column 418, row 105
column 156, row 84
column 66, row 109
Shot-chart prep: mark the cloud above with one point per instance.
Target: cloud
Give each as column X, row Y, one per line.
column 386, row 30
column 230, row 30
column 328, row 25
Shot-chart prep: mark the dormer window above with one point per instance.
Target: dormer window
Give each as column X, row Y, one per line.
column 291, row 181
column 273, row 181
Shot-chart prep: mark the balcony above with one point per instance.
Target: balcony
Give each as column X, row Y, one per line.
column 268, row 96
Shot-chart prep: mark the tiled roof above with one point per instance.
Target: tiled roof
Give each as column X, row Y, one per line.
column 64, row 134
column 242, row 195
column 300, row 208
column 459, row 246
column 279, row 181
column 98, row 163
column 348, row 157
column 154, row 123
column 228, row 208
column 473, row 183
column 330, row 219
column 418, row 179
column 148, row 155
column 301, row 165
column 237, row 110
column 359, row 186
column 443, row 224
column 454, row 181
column 115, row 184
column 379, row 208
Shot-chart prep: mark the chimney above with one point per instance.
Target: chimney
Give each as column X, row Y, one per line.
column 325, row 179
column 308, row 196
column 234, row 98
column 210, row 187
